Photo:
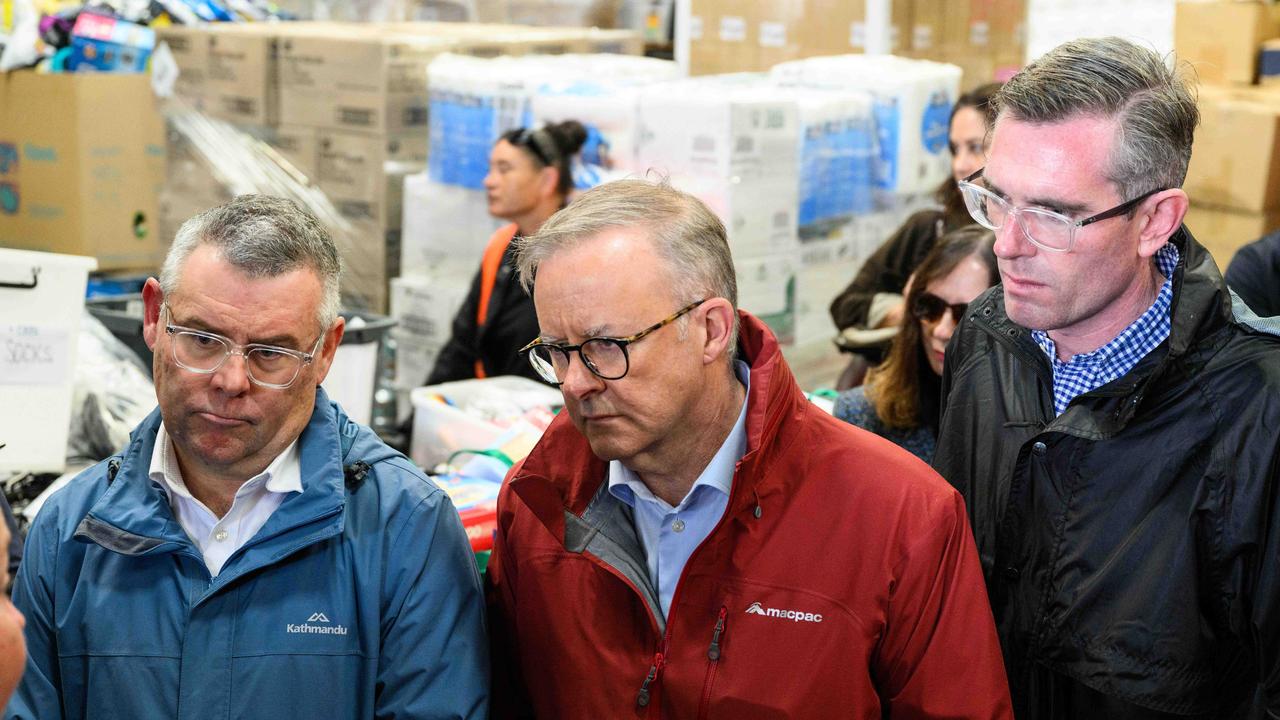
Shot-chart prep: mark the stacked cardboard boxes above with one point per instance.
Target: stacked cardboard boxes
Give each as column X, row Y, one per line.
column 81, row 160
column 984, row 37
column 346, row 104
column 1234, row 177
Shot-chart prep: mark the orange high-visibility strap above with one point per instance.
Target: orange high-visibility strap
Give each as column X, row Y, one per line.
column 489, row 265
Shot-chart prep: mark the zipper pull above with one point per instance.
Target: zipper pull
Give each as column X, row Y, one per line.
column 643, row 698
column 713, row 652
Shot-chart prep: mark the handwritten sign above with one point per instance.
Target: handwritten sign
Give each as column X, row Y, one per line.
column 34, row 355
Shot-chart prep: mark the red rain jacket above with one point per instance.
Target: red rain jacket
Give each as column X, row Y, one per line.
column 842, row 581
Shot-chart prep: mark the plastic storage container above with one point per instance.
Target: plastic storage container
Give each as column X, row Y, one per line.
column 354, row 378
column 476, row 415
column 41, row 302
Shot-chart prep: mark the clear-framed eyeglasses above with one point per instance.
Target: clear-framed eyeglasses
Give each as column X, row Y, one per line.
column 204, row 352
column 606, row 357
column 1046, row 229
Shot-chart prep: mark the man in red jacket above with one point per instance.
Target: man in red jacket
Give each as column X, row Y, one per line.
column 692, row 537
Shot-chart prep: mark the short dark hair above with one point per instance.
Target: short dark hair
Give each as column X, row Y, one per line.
column 1150, row 100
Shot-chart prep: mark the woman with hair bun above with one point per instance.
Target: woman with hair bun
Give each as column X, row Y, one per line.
column 530, row 178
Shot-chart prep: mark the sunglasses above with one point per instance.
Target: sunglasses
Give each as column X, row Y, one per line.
column 930, row 308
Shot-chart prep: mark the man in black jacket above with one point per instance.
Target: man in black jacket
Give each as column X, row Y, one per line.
column 1112, row 427
column 1254, row 273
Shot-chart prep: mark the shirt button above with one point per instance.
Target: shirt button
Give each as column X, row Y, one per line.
column 678, row 525
column 220, row 535
column 1039, row 448
column 1012, row 573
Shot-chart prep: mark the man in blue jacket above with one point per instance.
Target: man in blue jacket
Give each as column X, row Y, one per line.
column 251, row 553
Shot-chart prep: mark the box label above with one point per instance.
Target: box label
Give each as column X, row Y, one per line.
column 773, row 34
column 922, row 37
column 858, row 35
column 733, row 29
column 695, row 28
column 979, row 34
column 34, row 355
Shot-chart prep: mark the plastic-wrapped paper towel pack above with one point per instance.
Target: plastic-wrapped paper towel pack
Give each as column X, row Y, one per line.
column 912, row 106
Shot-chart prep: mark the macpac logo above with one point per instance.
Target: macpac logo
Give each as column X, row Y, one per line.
column 793, row 615
column 308, row 629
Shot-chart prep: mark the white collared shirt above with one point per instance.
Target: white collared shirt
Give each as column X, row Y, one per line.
column 255, row 501
column 671, row 534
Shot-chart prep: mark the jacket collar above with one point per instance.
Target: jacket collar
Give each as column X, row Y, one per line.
column 1201, row 306
column 563, row 475
column 133, row 515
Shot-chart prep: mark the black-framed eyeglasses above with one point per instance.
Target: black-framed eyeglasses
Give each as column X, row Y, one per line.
column 204, row 352
column 1046, row 229
column 930, row 308
column 606, row 357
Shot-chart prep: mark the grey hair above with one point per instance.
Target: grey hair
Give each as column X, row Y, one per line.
column 262, row 237
column 686, row 234
column 1151, row 102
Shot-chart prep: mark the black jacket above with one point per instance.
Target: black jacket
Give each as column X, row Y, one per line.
column 510, row 325
column 1130, row 546
column 1254, row 273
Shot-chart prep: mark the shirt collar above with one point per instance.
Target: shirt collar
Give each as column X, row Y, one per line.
column 283, row 475
column 718, row 475
column 1147, row 326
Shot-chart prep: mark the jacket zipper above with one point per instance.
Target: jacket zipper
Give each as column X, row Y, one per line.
column 713, row 654
column 642, row 699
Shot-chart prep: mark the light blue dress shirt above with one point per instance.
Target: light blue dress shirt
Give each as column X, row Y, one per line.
column 670, row 534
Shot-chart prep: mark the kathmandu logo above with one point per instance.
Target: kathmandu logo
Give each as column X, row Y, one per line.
column 794, row 615
column 309, row 629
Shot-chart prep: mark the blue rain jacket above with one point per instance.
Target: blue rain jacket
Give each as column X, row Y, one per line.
column 358, row 599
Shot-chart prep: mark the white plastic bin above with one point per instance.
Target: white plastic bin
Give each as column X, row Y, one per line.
column 471, row 414
column 41, row 302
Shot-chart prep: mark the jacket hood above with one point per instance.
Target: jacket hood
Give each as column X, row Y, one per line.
column 562, row 474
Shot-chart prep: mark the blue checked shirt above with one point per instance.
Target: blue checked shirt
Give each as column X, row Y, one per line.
column 1091, row 370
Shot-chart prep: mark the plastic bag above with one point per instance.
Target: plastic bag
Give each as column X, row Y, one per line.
column 22, row 47
column 111, row 396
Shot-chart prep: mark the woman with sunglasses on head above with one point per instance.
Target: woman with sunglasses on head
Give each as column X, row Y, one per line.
column 869, row 309
column 529, row 179
column 901, row 399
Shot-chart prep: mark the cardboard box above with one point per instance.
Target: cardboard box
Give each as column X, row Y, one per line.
column 364, row 178
column 1221, row 38
column 767, row 289
column 614, row 42
column 364, row 175
column 1225, row 231
column 372, row 83
column 1235, row 162
column 190, row 48
column 241, row 82
column 928, row 26
column 298, row 144
column 81, row 163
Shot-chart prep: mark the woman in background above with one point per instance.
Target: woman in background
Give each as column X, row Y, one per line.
column 529, row 179
column 901, row 400
column 872, row 305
